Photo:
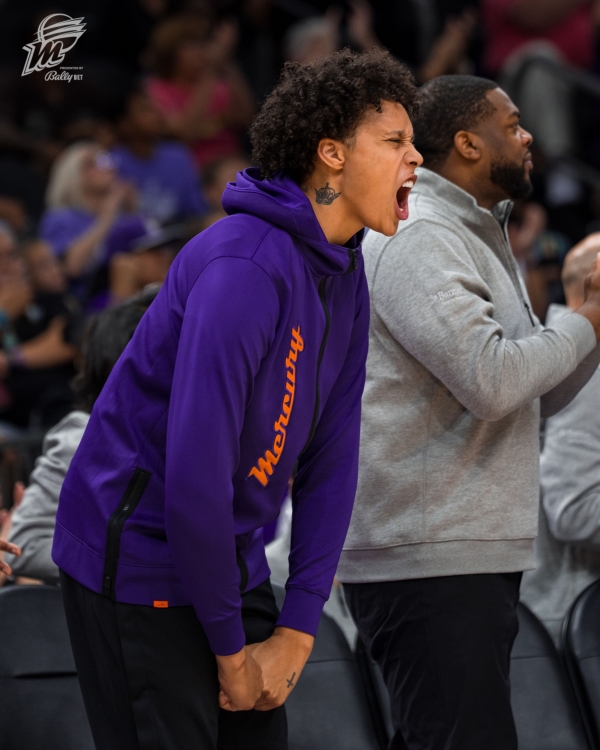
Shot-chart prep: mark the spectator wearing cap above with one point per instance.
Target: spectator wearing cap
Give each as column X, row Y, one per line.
column 163, row 172
column 91, row 215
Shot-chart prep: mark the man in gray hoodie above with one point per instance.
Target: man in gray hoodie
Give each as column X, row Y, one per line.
column 567, row 548
column 458, row 372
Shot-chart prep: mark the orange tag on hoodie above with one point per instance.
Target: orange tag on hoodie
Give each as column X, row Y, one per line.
column 161, row 605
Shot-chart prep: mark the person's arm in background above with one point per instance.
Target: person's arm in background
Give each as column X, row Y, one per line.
column 322, row 496
column 230, row 320
column 34, row 520
column 570, row 469
column 78, row 253
column 459, row 341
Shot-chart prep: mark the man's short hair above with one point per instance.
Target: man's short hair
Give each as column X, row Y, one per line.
column 449, row 104
column 324, row 99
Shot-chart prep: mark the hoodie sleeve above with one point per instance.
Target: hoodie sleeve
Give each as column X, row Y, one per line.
column 325, row 484
column 229, row 323
column 433, row 300
column 570, row 469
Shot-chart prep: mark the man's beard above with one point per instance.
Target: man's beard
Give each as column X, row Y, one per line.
column 511, row 178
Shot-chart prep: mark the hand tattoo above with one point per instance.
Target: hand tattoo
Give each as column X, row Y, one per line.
column 326, row 195
column 290, row 682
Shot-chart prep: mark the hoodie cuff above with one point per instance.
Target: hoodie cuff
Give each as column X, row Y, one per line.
column 225, row 637
column 301, row 610
column 581, row 331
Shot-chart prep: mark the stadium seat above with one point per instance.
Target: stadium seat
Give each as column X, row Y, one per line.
column 329, row 708
column 581, row 647
column 40, row 701
column 544, row 707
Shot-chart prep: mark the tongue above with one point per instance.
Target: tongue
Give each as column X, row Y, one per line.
column 402, row 204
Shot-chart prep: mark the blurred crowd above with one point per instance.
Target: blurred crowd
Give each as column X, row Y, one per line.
column 104, row 178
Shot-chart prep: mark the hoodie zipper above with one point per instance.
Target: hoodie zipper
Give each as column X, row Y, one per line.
column 514, row 274
column 133, row 493
column 315, row 418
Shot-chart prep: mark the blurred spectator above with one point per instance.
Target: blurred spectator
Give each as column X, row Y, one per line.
column 540, row 253
column 568, row 543
column 163, row 172
column 216, row 177
column 198, row 85
column 38, row 346
column 148, row 263
column 559, row 30
column 90, row 215
column 38, row 343
column 34, row 520
column 317, row 37
column 5, row 527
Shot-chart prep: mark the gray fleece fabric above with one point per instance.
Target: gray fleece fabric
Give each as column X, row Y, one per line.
column 567, row 549
column 458, row 369
column 33, row 522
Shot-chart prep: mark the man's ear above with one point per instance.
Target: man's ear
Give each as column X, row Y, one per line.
column 332, row 153
column 468, row 145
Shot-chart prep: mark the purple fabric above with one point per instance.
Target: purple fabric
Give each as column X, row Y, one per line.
column 168, row 183
column 215, row 396
column 60, row 227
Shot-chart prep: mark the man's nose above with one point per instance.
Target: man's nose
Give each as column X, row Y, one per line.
column 526, row 137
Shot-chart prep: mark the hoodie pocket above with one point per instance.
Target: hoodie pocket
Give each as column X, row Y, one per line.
column 129, row 501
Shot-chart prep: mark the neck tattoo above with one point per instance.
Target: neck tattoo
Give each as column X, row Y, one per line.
column 326, row 195
column 290, row 682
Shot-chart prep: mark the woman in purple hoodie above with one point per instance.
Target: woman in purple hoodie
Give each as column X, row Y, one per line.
column 251, row 358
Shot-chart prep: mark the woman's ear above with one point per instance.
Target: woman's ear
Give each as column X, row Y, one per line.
column 468, row 145
column 332, row 153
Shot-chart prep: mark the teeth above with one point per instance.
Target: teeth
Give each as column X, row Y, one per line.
column 408, row 184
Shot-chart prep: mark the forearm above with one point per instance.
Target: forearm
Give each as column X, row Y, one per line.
column 82, row 251
column 36, row 354
column 195, row 121
column 538, row 16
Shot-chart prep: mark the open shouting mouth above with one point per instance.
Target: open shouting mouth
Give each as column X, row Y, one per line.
column 402, row 197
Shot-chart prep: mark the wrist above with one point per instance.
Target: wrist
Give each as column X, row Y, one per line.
column 301, row 641
column 591, row 312
column 232, row 662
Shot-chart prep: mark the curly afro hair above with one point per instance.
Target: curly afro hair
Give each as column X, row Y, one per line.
column 324, row 99
column 449, row 104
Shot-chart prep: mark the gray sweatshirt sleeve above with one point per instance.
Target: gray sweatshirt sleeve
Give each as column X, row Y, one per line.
column 34, row 520
column 432, row 298
column 570, row 469
column 559, row 397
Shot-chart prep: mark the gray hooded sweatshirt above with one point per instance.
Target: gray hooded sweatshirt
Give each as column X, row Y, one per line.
column 567, row 549
column 457, row 374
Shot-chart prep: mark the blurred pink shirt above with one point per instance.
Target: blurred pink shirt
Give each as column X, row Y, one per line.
column 574, row 36
column 170, row 98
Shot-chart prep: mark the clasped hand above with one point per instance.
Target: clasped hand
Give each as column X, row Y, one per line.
column 262, row 675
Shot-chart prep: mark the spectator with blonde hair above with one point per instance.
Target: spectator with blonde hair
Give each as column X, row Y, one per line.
column 198, row 86
column 91, row 215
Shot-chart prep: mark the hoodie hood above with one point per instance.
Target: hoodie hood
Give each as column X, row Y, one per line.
column 281, row 202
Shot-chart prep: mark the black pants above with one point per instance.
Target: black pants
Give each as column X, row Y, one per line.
column 443, row 645
column 149, row 679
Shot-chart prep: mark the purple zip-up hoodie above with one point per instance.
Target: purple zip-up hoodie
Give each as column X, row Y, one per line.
column 252, row 357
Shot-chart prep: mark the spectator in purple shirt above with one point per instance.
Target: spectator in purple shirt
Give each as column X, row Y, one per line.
column 163, row 172
column 91, row 216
